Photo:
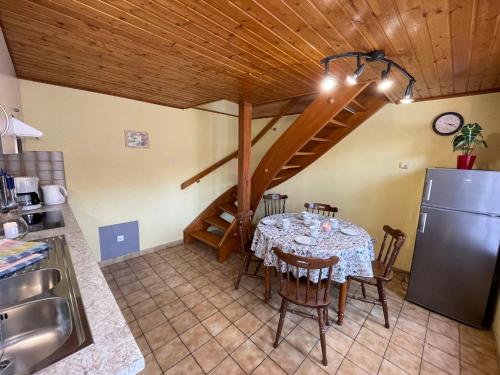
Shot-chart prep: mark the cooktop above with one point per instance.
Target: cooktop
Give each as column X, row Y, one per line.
column 43, row 220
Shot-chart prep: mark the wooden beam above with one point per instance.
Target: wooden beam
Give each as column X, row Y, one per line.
column 244, row 155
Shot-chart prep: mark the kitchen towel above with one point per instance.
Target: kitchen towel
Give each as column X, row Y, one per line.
column 12, row 250
column 8, row 268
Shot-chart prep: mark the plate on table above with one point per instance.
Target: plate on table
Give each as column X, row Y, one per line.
column 305, row 240
column 350, row 231
column 268, row 221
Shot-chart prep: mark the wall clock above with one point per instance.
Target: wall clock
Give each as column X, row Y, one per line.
column 448, row 123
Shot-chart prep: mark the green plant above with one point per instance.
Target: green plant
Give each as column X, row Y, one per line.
column 468, row 137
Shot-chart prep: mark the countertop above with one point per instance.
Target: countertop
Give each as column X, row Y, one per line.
column 114, row 350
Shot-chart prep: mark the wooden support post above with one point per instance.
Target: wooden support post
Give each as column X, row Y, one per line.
column 244, row 153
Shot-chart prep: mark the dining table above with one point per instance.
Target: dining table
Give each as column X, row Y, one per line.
column 292, row 234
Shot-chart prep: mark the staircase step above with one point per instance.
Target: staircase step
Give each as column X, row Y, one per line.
column 336, row 123
column 277, row 178
column 291, row 167
column 209, row 238
column 304, row 153
column 318, row 139
column 230, row 208
column 218, row 222
column 361, row 107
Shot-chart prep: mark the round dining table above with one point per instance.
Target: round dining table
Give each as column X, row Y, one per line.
column 348, row 241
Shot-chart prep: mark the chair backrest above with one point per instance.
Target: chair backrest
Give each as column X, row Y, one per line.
column 321, row 209
column 245, row 229
column 389, row 250
column 274, row 204
column 297, row 271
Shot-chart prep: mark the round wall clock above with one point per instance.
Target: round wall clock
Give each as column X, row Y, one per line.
column 448, row 123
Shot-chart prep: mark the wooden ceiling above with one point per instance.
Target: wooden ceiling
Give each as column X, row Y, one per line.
column 189, row 52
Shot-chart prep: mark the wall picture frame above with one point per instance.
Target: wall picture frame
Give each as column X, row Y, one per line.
column 136, row 139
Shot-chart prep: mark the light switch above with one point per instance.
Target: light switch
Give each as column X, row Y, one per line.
column 120, row 238
column 403, row 165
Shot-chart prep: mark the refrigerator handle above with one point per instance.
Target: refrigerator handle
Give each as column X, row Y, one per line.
column 427, row 190
column 421, row 222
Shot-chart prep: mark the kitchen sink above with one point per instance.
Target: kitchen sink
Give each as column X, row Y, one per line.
column 21, row 287
column 42, row 319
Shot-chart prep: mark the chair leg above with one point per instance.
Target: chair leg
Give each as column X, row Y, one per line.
column 363, row 290
column 383, row 301
column 244, row 265
column 284, row 305
column 322, row 330
column 327, row 321
column 257, row 268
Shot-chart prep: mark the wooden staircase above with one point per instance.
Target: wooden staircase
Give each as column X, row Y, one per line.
column 325, row 122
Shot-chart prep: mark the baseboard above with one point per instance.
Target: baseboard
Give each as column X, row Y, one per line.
column 107, row 262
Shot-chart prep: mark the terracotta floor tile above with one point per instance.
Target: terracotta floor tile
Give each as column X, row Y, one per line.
column 227, row 367
column 248, row 324
column 195, row 337
column 210, row 290
column 157, row 288
column 408, row 342
column 403, row 359
column 411, row 327
column 378, row 327
column 364, row 358
column 268, row 367
column 231, row 338
column 349, row 368
column 170, row 354
column 338, row 341
column 248, row 300
column 427, row 368
column 151, row 366
column 333, row 357
column 192, row 299
column 302, row 340
column 183, row 289
column 136, row 297
column 151, row 320
column 264, row 339
column 135, row 329
column 248, row 356
column 160, row 335
column 387, row 368
column 447, row 328
column 165, row 297
column 349, row 327
column 467, row 369
column 484, row 362
column 221, row 300
column 287, row 356
column 441, row 359
column 144, row 308
column 234, row 311
column 216, row 323
column 143, row 345
column 173, row 309
column 187, row 366
column 288, row 325
column 482, row 341
column 443, row 342
column 264, row 312
column 371, row 340
column 204, row 310
column 210, row 355
column 183, row 322
column 308, row 367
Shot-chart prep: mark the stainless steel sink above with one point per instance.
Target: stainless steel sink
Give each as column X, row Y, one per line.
column 42, row 319
column 33, row 331
column 21, row 287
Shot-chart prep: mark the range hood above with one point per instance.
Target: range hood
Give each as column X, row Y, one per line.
column 11, row 126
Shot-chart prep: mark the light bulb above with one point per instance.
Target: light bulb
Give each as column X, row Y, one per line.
column 385, row 84
column 406, row 100
column 351, row 79
column 328, row 83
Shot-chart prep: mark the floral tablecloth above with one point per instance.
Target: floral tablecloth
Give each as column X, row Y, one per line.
column 355, row 253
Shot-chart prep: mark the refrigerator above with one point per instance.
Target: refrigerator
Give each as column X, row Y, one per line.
column 455, row 259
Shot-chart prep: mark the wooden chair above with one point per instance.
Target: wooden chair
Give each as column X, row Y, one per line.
column 274, row 204
column 382, row 269
column 302, row 291
column 245, row 232
column 321, row 209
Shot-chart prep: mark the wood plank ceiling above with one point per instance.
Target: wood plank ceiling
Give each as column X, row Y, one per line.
column 189, row 52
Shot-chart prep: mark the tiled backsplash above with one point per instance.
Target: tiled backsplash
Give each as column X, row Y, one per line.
column 48, row 166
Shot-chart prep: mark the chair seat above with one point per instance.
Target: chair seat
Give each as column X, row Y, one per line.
column 289, row 291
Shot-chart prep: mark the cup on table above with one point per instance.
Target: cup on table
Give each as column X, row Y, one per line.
column 286, row 223
column 316, row 222
column 315, row 231
column 335, row 223
column 307, row 220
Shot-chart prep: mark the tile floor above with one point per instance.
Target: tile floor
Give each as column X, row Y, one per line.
column 187, row 318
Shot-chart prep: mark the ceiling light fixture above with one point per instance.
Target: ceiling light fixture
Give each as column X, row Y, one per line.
column 386, row 81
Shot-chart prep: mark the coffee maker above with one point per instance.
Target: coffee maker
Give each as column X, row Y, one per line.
column 27, row 195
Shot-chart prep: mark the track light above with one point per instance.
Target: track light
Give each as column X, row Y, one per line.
column 352, row 79
column 408, row 98
column 385, row 81
column 328, row 82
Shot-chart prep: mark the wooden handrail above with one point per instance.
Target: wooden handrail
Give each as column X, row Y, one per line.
column 233, row 155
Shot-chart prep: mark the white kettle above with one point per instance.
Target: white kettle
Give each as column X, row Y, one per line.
column 54, row 194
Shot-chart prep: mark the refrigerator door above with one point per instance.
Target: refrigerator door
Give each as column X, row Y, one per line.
column 463, row 190
column 454, row 263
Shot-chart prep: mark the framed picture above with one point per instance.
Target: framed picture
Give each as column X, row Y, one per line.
column 136, row 139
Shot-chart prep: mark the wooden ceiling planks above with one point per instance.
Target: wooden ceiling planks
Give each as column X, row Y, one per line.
column 183, row 53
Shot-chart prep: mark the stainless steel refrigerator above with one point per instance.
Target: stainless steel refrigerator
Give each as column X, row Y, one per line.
column 455, row 260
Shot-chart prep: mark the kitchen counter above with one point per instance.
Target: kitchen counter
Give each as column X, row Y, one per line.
column 114, row 350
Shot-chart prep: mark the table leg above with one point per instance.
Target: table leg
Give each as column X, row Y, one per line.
column 342, row 302
column 267, row 283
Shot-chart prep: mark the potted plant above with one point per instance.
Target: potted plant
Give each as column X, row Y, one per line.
column 465, row 141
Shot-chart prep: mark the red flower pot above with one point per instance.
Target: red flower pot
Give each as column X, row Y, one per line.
column 465, row 161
